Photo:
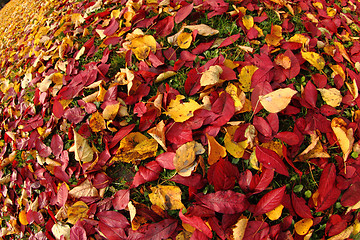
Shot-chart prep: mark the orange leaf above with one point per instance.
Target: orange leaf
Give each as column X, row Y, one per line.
column 97, row 122
column 216, row 151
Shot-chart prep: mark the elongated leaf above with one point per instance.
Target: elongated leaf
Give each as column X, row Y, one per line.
column 271, row 160
column 227, row 202
column 327, row 179
column 197, row 223
column 300, row 207
column 113, row 219
column 270, row 201
column 161, row 230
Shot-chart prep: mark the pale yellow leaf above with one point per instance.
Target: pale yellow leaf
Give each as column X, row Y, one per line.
column 111, row 111
column 344, row 136
column 303, row 226
column 203, row 30
column 164, row 75
column 166, row 197
column 344, row 234
column 353, row 89
column 275, row 214
column 85, row 189
column 314, row 59
column 181, row 111
column 239, row 228
column 211, row 76
column 331, row 96
column 83, row 152
column 277, row 100
column 60, row 229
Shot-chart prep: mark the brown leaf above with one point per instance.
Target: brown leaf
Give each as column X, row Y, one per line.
column 97, row 122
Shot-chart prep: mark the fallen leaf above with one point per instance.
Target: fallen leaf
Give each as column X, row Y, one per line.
column 166, row 197
column 135, row 147
column 111, row 110
column 344, row 234
column 184, row 40
column 181, row 111
column 314, row 150
column 283, row 61
column 77, row 211
column 158, row 133
column 314, row 59
column 22, row 218
column 344, row 136
column 275, row 214
column 238, row 231
column 302, row 227
column 60, row 229
column 245, row 76
column 236, row 149
column 203, row 30
column 277, row 100
column 142, row 45
column 211, row 76
column 85, row 189
column 269, row 201
column 83, row 152
column 215, row 150
column 184, row 160
column 97, row 122
column 248, row 21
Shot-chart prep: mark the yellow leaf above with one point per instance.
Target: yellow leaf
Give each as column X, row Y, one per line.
column 337, row 70
column 275, row 214
column 275, row 36
column 283, row 61
column 184, row 160
column 245, row 76
column 277, row 100
column 184, row 40
column 331, row 96
column 22, row 218
column 330, row 11
column 240, row 227
column 356, row 227
column 343, row 51
column 215, row 150
column 314, row 59
column 344, row 136
column 83, row 152
column 141, row 46
column 211, row 76
column 135, row 147
column 237, row 95
column 77, row 19
column 111, row 111
column 166, row 197
column 299, row 38
column 353, row 89
column 77, row 211
column 236, row 149
column 179, row 111
column 248, row 21
column 164, row 75
column 97, row 122
column 303, row 226
column 314, row 150
column 318, row 5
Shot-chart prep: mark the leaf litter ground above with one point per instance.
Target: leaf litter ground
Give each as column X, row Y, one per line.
column 180, row 119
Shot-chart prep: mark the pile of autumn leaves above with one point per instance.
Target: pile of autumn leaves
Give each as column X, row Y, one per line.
column 200, row 169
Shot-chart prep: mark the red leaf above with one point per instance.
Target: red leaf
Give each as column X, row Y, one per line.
column 179, row 133
column 224, row 106
column 62, row 195
column 271, row 160
column 192, row 83
column 262, row 88
column 288, row 137
column 256, row 230
column 44, row 151
column 273, row 121
column 223, row 175
column 165, row 26
column 289, row 161
column 195, row 181
column 197, row 223
column 294, row 70
column 327, row 179
column 113, row 219
column 166, row 160
column 58, row 109
column 77, row 233
column 269, row 201
column 351, row 196
column 121, row 134
column 327, row 201
column 328, row 110
column 227, row 202
column 310, row 94
column 300, row 207
column 262, row 126
column 230, row 40
column 112, row 233
column 112, row 28
column 121, row 199
column 202, row 47
column 147, row 173
column 266, row 177
column 161, row 230
column 56, row 145
column 183, row 13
